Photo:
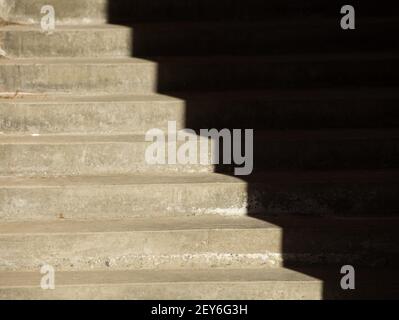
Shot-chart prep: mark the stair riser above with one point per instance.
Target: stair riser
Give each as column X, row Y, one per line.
column 235, row 248
column 98, row 11
column 91, row 285
column 85, row 78
column 44, row 117
column 115, row 42
column 87, row 159
column 134, row 78
column 112, row 245
column 108, row 117
column 122, row 201
column 174, row 291
column 66, row 12
column 129, row 158
column 180, row 40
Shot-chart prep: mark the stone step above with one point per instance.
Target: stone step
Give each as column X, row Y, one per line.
column 100, row 11
column 197, row 242
column 66, row 12
column 110, row 218
column 105, row 114
column 88, row 155
column 129, row 75
column 202, row 284
column 195, row 38
column 171, row 285
column 269, row 109
column 330, row 193
column 99, row 41
column 134, row 76
column 126, row 154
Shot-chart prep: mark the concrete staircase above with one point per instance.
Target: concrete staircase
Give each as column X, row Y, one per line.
column 77, row 194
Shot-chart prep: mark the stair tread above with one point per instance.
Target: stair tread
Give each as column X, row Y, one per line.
column 194, row 223
column 168, row 224
column 42, row 98
column 71, row 60
column 358, row 56
column 63, row 27
column 17, row 279
column 273, row 177
column 71, row 139
column 100, row 219
column 200, row 284
column 296, row 22
column 290, row 135
column 289, row 94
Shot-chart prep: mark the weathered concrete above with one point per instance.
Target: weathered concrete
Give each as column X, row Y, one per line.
column 67, row 12
column 87, row 155
column 97, row 11
column 193, row 284
column 202, row 284
column 195, row 242
column 135, row 114
column 58, row 114
column 68, row 41
column 183, row 38
column 125, row 154
column 318, row 193
column 132, row 75
column 78, row 75
column 111, row 217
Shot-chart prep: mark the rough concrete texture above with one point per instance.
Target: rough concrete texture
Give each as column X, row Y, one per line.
column 76, row 193
column 88, row 155
column 67, row 12
column 168, row 38
column 78, row 75
column 20, row 41
column 123, row 114
column 133, row 75
column 83, row 197
column 99, row 11
column 125, row 154
column 193, row 242
column 43, row 114
column 193, row 284
column 205, row 284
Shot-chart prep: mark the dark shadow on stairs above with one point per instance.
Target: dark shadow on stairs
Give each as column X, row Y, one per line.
column 300, row 182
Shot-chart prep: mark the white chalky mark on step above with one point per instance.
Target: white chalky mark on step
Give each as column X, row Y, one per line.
column 3, row 53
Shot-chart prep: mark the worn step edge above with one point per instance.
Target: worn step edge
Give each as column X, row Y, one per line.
column 273, row 177
column 358, row 56
column 205, row 284
column 193, row 223
column 263, row 135
column 22, row 113
column 119, row 40
column 122, row 75
column 201, row 241
column 87, row 154
column 126, row 154
column 272, row 193
column 54, row 98
column 192, row 284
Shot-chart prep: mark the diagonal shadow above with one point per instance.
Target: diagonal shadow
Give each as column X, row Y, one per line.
column 238, row 65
